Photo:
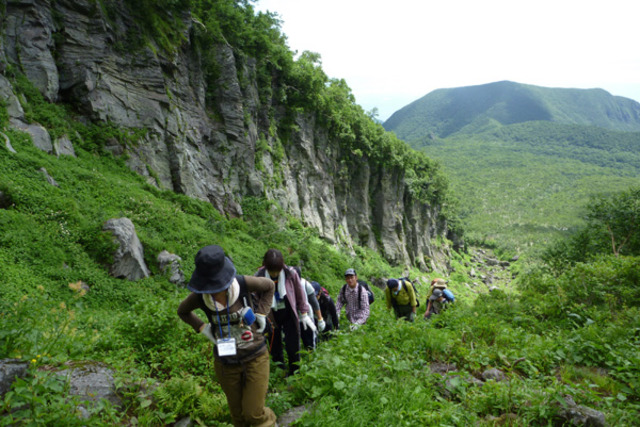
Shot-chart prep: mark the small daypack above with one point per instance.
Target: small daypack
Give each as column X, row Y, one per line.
column 370, row 294
column 415, row 290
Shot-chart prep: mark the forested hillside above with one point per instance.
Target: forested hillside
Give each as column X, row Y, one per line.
column 445, row 112
column 525, row 160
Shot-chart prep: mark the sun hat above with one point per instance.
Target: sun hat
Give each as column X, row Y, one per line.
column 350, row 272
column 214, row 271
column 392, row 283
column 437, row 294
column 439, row 283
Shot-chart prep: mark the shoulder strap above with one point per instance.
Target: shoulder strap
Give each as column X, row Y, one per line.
column 344, row 297
column 243, row 296
column 244, row 292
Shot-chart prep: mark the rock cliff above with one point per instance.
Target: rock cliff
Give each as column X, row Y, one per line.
column 209, row 147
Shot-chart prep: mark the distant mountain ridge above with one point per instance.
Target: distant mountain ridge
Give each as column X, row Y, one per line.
column 524, row 159
column 445, row 112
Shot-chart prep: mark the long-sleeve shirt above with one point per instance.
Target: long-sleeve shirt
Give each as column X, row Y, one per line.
column 249, row 345
column 356, row 303
column 406, row 296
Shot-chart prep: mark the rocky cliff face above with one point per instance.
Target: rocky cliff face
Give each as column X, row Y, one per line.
column 69, row 50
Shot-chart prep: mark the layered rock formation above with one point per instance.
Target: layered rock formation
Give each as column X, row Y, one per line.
column 70, row 50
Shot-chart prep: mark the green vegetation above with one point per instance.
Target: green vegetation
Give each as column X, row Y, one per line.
column 571, row 327
column 522, row 196
column 445, row 112
column 523, row 160
column 51, row 242
column 573, row 331
column 133, row 327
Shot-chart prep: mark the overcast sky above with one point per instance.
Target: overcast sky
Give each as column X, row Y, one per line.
column 392, row 53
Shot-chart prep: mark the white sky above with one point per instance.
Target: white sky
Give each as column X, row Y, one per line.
column 392, row 53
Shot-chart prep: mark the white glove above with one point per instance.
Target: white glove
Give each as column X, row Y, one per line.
column 321, row 325
column 354, row 326
column 206, row 331
column 307, row 322
column 262, row 322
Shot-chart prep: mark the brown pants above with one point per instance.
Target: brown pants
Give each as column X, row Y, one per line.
column 245, row 386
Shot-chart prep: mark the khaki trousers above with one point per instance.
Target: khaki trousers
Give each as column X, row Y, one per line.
column 245, row 386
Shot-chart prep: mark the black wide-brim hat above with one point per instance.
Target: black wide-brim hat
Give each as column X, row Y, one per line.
column 214, row 271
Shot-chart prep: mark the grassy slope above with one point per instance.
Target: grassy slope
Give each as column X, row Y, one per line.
column 519, row 194
column 50, row 237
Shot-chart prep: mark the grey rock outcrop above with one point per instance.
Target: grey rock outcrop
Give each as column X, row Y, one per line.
column 442, row 368
column 7, row 143
column 39, row 134
column 14, row 109
column 10, row 369
column 493, row 374
column 29, row 28
column 91, row 382
column 128, row 261
column 218, row 148
column 49, row 178
column 577, row 415
column 63, row 147
column 169, row 264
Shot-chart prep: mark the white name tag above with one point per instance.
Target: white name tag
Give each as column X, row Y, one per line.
column 226, row 347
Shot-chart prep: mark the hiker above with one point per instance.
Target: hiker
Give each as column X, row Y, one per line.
column 401, row 295
column 435, row 303
column 288, row 300
column 437, row 283
column 241, row 360
column 310, row 337
column 328, row 310
column 353, row 296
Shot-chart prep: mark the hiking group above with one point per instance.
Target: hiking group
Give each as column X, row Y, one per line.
column 270, row 313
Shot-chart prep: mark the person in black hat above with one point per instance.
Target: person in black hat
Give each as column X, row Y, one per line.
column 236, row 327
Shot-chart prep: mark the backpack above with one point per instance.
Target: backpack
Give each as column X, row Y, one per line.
column 370, row 294
column 249, row 299
column 448, row 295
column 415, row 290
column 361, row 285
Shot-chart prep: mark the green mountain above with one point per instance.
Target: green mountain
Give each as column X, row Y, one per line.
column 523, row 159
column 445, row 112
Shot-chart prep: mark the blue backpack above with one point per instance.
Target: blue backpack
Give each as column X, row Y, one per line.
column 448, row 295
